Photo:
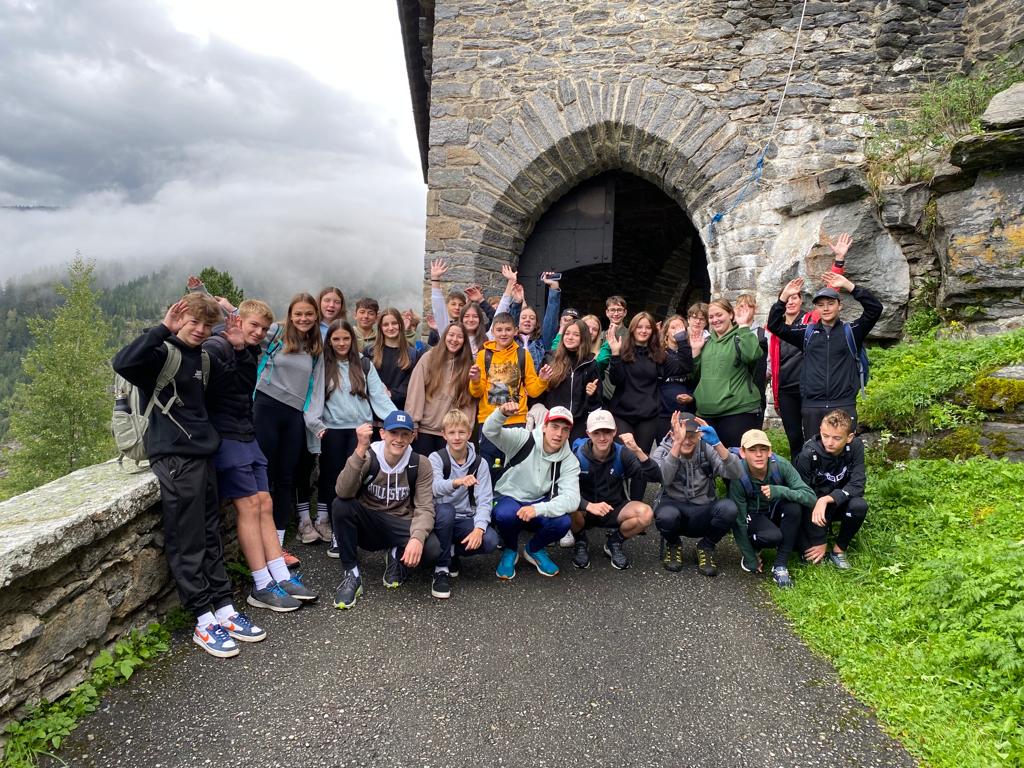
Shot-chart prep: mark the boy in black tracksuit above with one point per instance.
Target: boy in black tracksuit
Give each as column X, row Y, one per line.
column 180, row 444
column 832, row 464
column 830, row 376
column 603, row 501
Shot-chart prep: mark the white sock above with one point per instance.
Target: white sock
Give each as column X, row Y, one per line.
column 225, row 613
column 321, row 512
column 280, row 537
column 278, row 570
column 303, row 509
column 261, row 577
column 394, row 552
column 206, row 620
column 441, row 569
column 355, row 571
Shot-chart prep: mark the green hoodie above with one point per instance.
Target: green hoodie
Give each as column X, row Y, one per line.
column 532, row 478
column 727, row 388
column 791, row 489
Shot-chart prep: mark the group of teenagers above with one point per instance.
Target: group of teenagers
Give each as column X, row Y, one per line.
column 438, row 441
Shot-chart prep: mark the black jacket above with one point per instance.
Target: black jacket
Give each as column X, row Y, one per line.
column 636, row 384
column 140, row 363
column 394, row 378
column 571, row 392
column 842, row 477
column 829, row 376
column 229, row 394
column 599, row 483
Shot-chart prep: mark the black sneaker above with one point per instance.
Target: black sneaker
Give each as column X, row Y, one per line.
column 672, row 556
column 348, row 591
column 706, row 562
column 334, row 551
column 613, row 548
column 395, row 571
column 581, row 552
column 441, row 586
column 455, row 566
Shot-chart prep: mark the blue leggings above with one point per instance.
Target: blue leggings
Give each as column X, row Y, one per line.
column 546, row 530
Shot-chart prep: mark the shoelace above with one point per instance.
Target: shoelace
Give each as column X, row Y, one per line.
column 278, row 590
column 220, row 634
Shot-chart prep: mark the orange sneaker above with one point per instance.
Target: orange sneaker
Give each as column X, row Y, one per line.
column 290, row 560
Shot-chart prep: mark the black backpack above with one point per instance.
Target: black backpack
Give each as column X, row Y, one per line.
column 521, row 456
column 446, row 471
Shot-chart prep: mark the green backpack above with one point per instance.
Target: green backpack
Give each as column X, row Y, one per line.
column 130, row 421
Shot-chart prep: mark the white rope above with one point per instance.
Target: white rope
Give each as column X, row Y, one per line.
column 789, row 77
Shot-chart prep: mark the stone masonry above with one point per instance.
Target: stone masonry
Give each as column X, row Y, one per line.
column 517, row 101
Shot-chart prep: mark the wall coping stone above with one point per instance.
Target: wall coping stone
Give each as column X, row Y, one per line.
column 40, row 527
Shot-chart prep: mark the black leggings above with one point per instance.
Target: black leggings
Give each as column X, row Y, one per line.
column 644, row 431
column 778, row 530
column 731, row 428
column 711, row 522
column 281, row 434
column 335, row 447
column 425, row 444
column 789, row 407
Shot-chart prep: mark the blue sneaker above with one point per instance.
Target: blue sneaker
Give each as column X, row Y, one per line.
column 241, row 628
column 297, row 589
column 215, row 640
column 544, row 564
column 507, row 564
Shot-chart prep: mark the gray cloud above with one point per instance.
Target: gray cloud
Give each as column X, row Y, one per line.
column 157, row 147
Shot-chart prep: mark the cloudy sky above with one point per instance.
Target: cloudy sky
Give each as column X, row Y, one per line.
column 251, row 134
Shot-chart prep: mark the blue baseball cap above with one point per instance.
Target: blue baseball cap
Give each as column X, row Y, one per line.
column 398, row 420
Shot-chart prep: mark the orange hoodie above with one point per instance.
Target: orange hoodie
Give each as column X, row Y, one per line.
column 505, row 368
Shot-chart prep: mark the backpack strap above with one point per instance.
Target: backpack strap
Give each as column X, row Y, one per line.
column 617, row 466
column 522, row 453
column 808, row 332
column 521, row 359
column 581, row 457
column 268, row 354
column 165, row 378
column 204, row 361
column 374, row 470
column 851, row 342
column 473, row 467
column 488, row 356
column 412, row 472
column 554, row 479
column 365, row 364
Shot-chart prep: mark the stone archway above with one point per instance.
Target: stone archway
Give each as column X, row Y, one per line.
column 486, row 197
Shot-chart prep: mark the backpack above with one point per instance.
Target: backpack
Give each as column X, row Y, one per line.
column 446, row 471
column 774, row 476
column 521, row 456
column 272, row 349
column 758, row 369
column 860, row 356
column 617, row 467
column 129, row 421
column 412, row 470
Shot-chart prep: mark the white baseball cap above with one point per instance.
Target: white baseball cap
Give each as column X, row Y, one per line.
column 600, row 419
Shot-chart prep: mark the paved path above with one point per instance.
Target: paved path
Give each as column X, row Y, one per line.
column 593, row 668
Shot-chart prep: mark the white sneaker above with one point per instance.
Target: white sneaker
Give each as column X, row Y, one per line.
column 307, row 533
column 567, row 541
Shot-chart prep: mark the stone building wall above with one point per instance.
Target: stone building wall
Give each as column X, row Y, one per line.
column 527, row 99
column 81, row 565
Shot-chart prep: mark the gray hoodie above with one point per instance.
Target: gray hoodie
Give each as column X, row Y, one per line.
column 692, row 480
column 446, row 493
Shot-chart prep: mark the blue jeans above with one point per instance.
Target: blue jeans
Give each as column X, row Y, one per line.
column 546, row 530
column 451, row 530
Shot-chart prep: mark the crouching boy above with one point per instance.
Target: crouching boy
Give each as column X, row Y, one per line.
column 384, row 503
column 462, row 501
column 832, row 464
column 539, row 489
column 605, row 466
column 770, row 497
column 690, row 458
column 171, row 372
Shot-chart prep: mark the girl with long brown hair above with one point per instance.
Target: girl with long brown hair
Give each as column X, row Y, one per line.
column 575, row 379
column 288, row 402
column 392, row 355
column 439, row 383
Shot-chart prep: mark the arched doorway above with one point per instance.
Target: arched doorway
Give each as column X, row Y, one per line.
column 617, row 234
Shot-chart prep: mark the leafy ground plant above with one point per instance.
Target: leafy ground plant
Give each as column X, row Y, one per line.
column 929, row 626
column 46, row 726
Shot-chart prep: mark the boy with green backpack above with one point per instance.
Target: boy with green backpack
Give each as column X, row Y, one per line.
column 771, row 498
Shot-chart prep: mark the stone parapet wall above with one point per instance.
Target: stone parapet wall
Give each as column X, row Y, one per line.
column 81, row 565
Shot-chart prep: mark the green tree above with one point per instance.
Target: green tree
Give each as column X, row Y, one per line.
column 222, row 284
column 60, row 416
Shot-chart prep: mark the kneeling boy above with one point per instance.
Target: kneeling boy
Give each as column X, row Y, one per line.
column 832, row 463
column 690, row 458
column 770, row 497
column 384, row 502
column 462, row 500
column 539, row 489
column 605, row 466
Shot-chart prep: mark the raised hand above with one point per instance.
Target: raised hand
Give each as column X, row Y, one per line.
column 628, row 441
column 226, row 305
column 546, row 279
column 840, row 246
column 175, row 318
column 233, row 331
column 518, row 294
column 614, row 342
column 193, row 282
column 364, row 434
column 474, row 293
column 545, row 372
column 837, row 281
column 744, row 315
column 678, row 428
column 697, row 340
column 592, row 388
column 793, row 288
column 511, row 408
column 431, row 322
column 510, row 275
column 438, row 268
column 474, row 373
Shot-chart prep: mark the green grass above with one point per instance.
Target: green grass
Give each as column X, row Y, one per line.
column 929, row 627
